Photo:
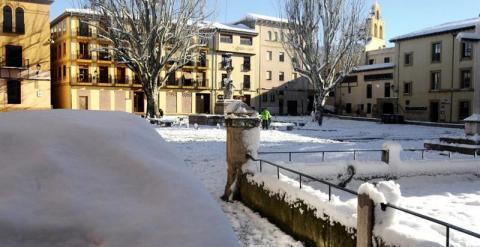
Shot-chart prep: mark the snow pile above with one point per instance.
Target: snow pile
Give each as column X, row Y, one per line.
column 336, row 210
column 383, row 192
column 237, row 108
column 99, row 179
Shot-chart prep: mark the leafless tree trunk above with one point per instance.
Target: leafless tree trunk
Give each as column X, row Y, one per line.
column 325, row 39
column 154, row 38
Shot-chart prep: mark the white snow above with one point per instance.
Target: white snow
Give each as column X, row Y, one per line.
column 84, row 178
column 473, row 118
column 253, row 16
column 374, row 67
column 428, row 187
column 446, row 27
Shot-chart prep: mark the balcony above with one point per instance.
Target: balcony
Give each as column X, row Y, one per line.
column 84, row 32
column 105, row 79
column 104, row 56
column 84, row 55
column 84, row 78
column 14, row 68
column 122, row 80
column 202, row 63
column 201, row 82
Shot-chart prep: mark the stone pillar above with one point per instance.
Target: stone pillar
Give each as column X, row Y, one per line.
column 365, row 221
column 243, row 137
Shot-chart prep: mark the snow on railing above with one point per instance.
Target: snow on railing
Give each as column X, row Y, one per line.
column 384, row 206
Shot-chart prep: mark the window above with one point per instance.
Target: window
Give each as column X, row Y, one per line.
column 464, row 110
column 269, row 75
column 465, row 78
column 269, row 55
column 19, row 21
column 281, row 76
column 408, row 59
column 435, row 80
column 7, row 19
column 407, row 88
column 246, row 82
column 64, row 49
column 369, row 91
column 275, row 36
column 103, row 75
column 387, row 90
column 375, row 31
column 407, row 102
column 14, row 92
column 224, row 76
column 294, row 76
column 64, row 71
column 14, row 56
column 436, row 52
column 349, row 89
column 467, row 50
column 225, row 38
column 246, row 40
column 386, row 60
column 369, row 108
column 272, row 97
column 83, row 75
column 83, row 29
column 246, row 63
column 281, row 57
column 226, row 60
column 269, row 35
column 83, row 53
column 371, row 61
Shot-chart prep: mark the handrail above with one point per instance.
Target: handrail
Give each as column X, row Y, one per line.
column 383, row 206
column 354, row 152
column 449, row 226
column 303, row 175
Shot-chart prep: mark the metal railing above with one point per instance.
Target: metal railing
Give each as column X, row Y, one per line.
column 301, row 176
column 383, row 206
column 354, row 152
column 448, row 226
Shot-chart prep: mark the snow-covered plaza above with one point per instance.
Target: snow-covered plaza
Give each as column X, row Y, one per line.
column 454, row 198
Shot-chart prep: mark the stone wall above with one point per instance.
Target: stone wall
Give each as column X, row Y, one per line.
column 297, row 220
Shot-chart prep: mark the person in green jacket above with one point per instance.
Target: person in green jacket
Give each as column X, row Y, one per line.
column 266, row 118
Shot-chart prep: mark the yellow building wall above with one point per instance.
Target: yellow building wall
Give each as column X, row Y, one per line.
column 35, row 89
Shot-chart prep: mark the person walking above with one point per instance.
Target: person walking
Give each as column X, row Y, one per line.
column 266, row 119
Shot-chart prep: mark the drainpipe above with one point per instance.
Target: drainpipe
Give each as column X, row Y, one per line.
column 259, row 70
column 453, row 72
column 214, row 76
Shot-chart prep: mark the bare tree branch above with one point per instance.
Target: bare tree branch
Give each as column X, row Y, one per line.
column 325, row 38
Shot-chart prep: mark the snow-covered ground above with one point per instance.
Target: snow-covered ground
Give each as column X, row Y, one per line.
column 455, row 198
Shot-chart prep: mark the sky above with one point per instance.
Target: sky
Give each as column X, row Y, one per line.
column 400, row 16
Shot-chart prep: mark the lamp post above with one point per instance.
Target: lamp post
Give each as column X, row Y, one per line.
column 472, row 123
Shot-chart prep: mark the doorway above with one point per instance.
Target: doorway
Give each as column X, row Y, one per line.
column 434, row 111
column 280, row 107
column 139, row 102
column 83, row 102
column 388, row 108
column 292, row 107
column 202, row 103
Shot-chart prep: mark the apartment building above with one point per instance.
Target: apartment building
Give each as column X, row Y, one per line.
column 434, row 72
column 85, row 75
column 280, row 88
column 25, row 55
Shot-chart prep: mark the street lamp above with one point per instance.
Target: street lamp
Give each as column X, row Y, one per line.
column 472, row 123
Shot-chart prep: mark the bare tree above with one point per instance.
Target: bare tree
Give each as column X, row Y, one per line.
column 325, row 39
column 154, row 38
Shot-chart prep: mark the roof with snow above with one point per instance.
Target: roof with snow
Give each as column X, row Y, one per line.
column 234, row 28
column 443, row 28
column 84, row 178
column 258, row 17
column 72, row 12
column 379, row 66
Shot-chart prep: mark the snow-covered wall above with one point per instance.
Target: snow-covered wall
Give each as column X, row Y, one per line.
column 78, row 178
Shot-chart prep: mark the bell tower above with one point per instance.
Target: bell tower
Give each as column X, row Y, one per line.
column 376, row 28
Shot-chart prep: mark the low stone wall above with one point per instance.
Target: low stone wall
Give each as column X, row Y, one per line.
column 297, row 220
column 211, row 120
